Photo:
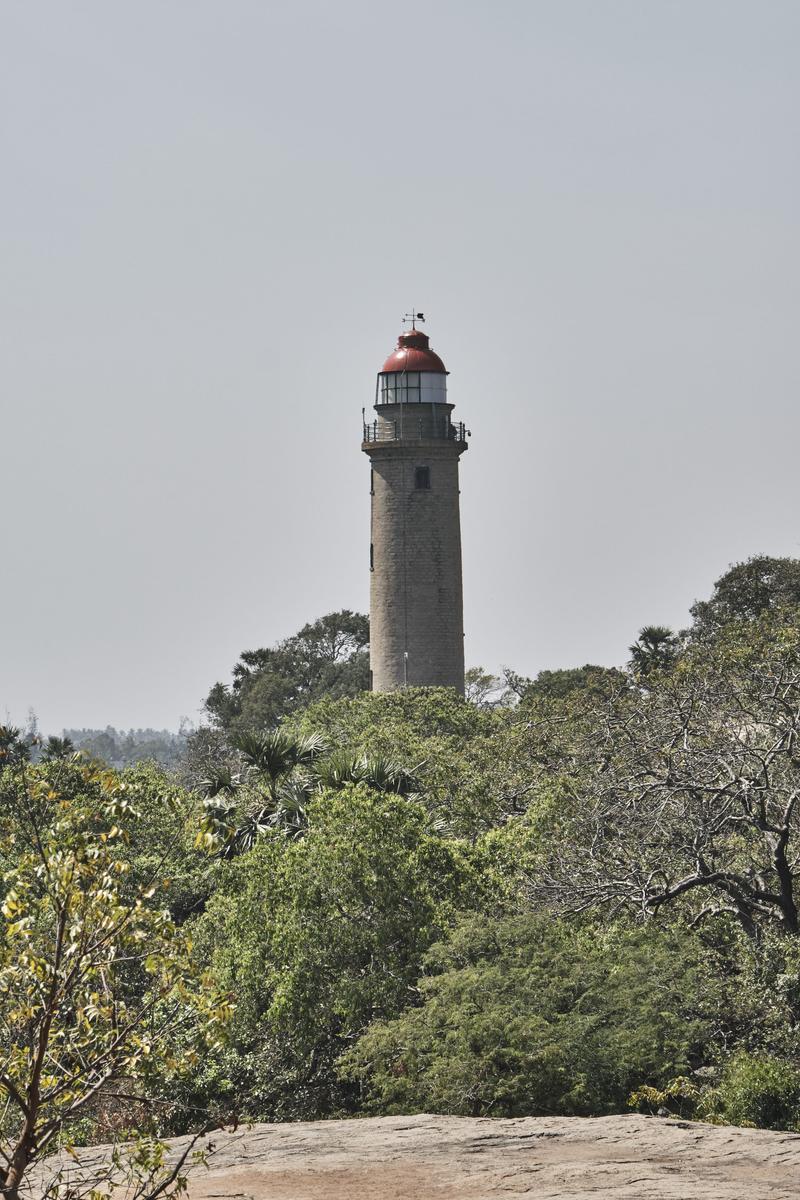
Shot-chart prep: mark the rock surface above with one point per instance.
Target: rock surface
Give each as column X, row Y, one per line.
column 551, row 1158
column 547, row 1158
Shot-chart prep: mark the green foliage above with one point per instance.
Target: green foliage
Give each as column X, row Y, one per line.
column 390, row 719
column 756, row 1090
column 472, row 766
column 270, row 790
column 655, row 649
column 747, row 591
column 377, row 879
column 97, row 984
column 560, row 684
column 274, row 754
column 317, row 937
column 486, row 690
column 685, row 793
column 764, row 1006
column 328, row 657
column 57, row 749
column 528, row 1015
column 681, row 1097
column 378, row 773
column 14, row 746
column 161, row 841
column 279, row 772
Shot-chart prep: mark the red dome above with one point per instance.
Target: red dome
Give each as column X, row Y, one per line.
column 413, row 354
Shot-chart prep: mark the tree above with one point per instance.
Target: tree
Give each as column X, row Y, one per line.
column 485, row 690
column 686, row 792
column 527, row 1016
column 272, row 786
column 117, row 748
column 472, row 765
column 376, row 772
column 168, row 821
column 566, row 681
column 655, row 649
column 99, row 991
column 56, row 748
column 319, row 935
column 327, row 657
column 279, row 773
column 14, row 746
column 746, row 591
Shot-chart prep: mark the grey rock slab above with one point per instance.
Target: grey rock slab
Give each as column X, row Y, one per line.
column 552, row 1158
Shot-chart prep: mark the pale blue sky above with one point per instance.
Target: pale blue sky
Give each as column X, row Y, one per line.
column 212, row 217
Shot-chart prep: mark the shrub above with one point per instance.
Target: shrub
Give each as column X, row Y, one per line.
column 319, row 936
column 530, row 1015
column 757, row 1090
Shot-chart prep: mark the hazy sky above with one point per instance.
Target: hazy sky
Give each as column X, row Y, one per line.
column 213, row 214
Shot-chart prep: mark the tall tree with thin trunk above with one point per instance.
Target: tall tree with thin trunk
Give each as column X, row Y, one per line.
column 97, row 985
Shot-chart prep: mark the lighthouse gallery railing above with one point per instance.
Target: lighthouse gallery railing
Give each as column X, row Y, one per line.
column 389, row 431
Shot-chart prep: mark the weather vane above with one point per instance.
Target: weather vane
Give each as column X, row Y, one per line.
column 413, row 317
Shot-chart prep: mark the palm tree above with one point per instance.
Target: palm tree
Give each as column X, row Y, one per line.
column 58, row 749
column 379, row 773
column 14, row 748
column 282, row 772
column 276, row 753
column 275, row 766
column 655, row 649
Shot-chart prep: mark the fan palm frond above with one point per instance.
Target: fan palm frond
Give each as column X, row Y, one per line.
column 387, row 775
column 289, row 816
column 274, row 753
column 221, row 780
column 380, row 773
column 247, row 832
column 339, row 768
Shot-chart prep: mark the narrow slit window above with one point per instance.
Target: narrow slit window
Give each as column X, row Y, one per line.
column 422, row 477
column 371, row 557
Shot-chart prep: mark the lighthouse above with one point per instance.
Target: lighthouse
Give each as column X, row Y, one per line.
column 413, row 444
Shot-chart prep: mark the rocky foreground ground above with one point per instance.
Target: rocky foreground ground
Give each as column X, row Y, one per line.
column 555, row 1158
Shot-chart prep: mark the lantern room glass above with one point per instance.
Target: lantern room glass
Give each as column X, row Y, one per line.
column 412, row 387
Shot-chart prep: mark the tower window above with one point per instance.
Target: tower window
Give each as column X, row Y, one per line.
column 422, row 477
column 371, row 557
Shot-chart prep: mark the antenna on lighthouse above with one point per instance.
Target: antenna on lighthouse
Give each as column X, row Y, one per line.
column 413, row 317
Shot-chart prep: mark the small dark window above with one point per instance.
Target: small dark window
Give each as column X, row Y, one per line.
column 422, row 477
column 371, row 557
column 372, row 482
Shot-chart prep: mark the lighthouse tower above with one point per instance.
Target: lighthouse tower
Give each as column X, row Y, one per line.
column 416, row 610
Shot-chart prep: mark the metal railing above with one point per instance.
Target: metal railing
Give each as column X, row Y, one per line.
column 414, row 431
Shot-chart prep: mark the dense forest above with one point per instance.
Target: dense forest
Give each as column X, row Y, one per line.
column 576, row 894
column 125, row 748
column 114, row 747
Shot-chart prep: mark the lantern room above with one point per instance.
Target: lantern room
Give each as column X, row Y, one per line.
column 413, row 373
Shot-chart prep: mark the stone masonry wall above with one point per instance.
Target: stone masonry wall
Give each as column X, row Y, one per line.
column 415, row 593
